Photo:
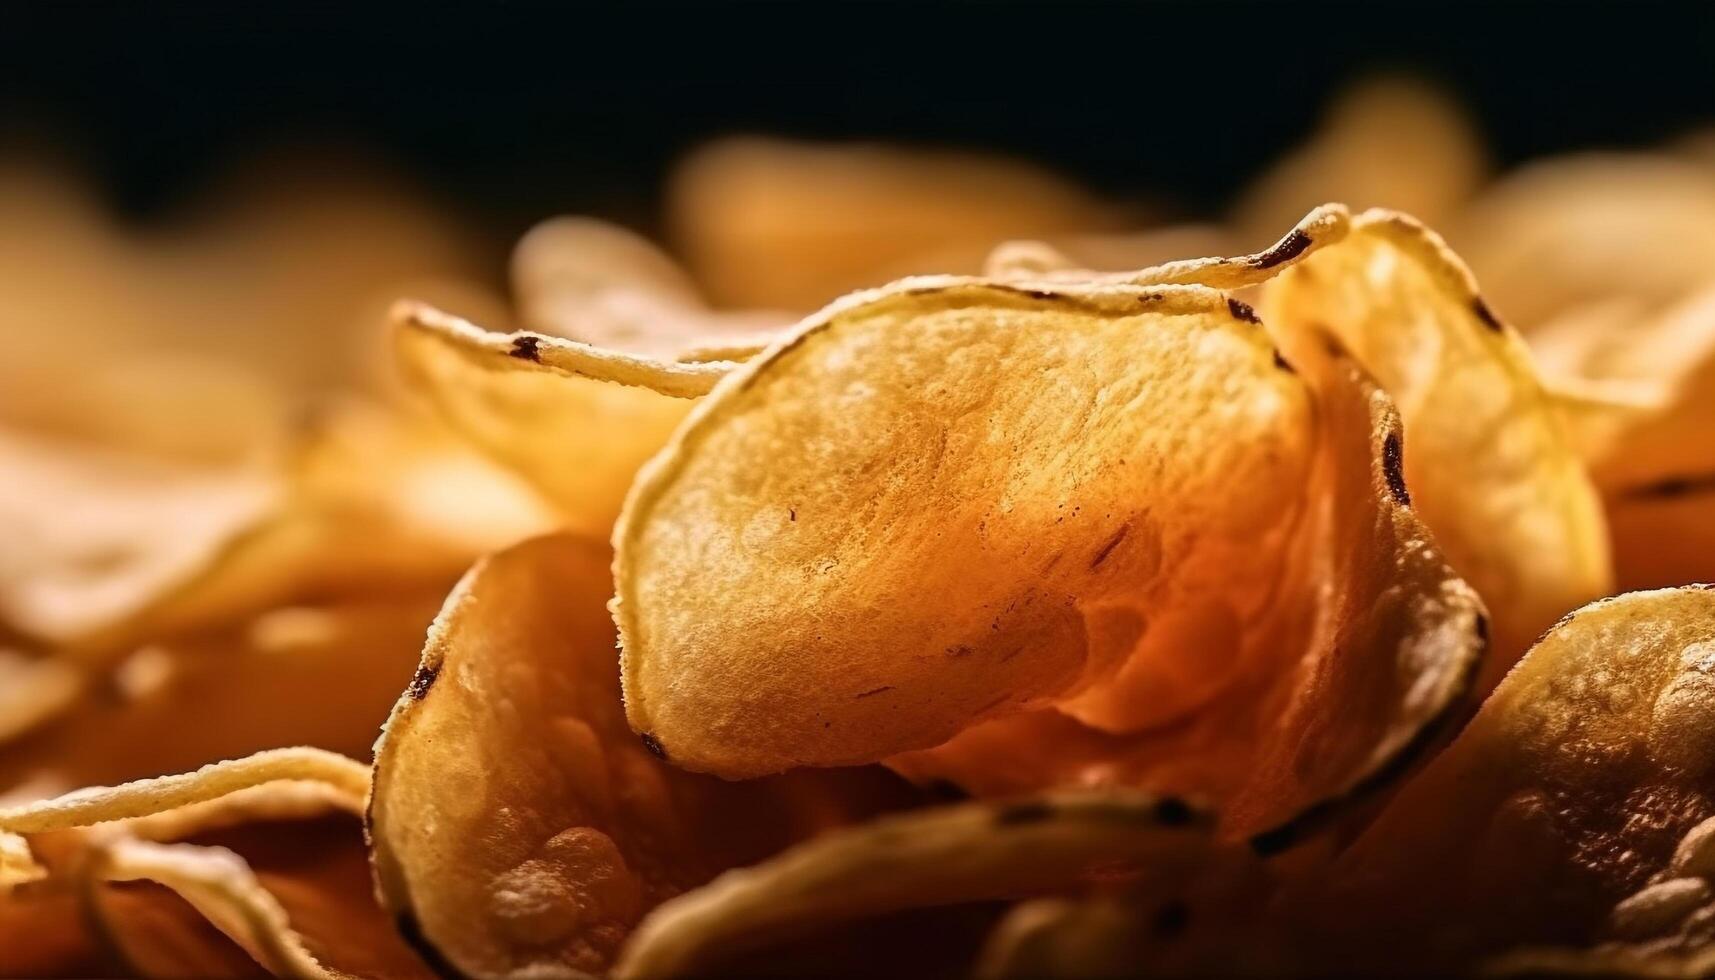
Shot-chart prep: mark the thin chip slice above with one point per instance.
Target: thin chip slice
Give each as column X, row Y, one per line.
column 520, row 826
column 595, row 282
column 1054, row 534
column 101, row 804
column 939, row 856
column 295, row 895
column 576, row 421
column 1322, row 227
column 1577, row 786
column 1491, row 470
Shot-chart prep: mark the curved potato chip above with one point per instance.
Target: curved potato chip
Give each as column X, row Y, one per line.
column 322, row 676
column 576, row 421
column 1391, row 142
column 1048, row 530
column 596, row 282
column 520, row 826
column 1364, row 668
column 136, row 528
column 1576, row 785
column 101, row 804
column 1494, row 475
column 938, row 856
column 1558, row 234
column 1323, row 226
column 768, row 223
column 974, row 495
column 367, row 499
column 296, row 896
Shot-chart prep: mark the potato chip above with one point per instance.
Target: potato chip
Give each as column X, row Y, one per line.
column 767, row 223
column 1491, row 470
column 94, row 536
column 520, row 826
column 1558, row 234
column 598, row 283
column 314, row 675
column 577, row 421
column 1575, row 787
column 295, row 896
column 1363, row 669
column 1389, row 141
column 1049, row 528
column 100, row 804
column 1324, row 226
column 1672, row 350
column 937, row 856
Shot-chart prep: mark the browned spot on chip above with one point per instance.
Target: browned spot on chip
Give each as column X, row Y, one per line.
column 422, row 680
column 1242, row 310
column 524, row 348
column 1676, row 486
column 875, row 690
column 1393, row 467
column 654, row 745
column 1480, row 306
column 1284, row 250
column 1108, row 547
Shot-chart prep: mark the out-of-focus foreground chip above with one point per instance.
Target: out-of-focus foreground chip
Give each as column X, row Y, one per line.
column 519, row 825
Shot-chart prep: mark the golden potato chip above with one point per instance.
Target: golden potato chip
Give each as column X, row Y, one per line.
column 143, row 797
column 1361, row 670
column 1051, row 533
column 595, row 282
column 767, row 223
column 1027, row 259
column 519, row 825
column 315, row 675
column 1322, row 227
column 94, row 536
column 937, row 856
column 1389, row 141
column 295, row 896
column 577, row 421
column 1578, row 784
column 826, row 560
column 1491, row 470
column 1561, row 233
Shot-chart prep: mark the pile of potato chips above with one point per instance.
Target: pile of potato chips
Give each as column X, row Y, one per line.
column 943, row 572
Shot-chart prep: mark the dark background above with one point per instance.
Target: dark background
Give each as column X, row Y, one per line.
column 515, row 111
